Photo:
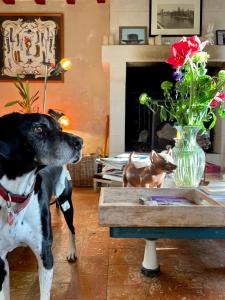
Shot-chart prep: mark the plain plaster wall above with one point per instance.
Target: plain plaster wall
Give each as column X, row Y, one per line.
column 136, row 13
column 84, row 94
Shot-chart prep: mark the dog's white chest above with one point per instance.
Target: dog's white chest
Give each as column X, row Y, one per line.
column 26, row 227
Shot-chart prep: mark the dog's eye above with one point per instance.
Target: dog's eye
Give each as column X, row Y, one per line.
column 38, row 129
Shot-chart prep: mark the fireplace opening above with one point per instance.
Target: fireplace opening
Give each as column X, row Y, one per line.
column 144, row 130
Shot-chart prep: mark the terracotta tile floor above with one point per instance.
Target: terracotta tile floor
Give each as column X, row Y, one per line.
column 110, row 268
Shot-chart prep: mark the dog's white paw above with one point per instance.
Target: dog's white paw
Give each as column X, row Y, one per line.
column 71, row 257
column 72, row 251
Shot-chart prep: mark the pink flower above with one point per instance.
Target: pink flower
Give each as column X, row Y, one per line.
column 193, row 42
column 181, row 51
column 217, row 99
column 196, row 43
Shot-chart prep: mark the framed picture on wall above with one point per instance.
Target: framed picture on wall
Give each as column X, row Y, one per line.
column 175, row 17
column 27, row 42
column 131, row 35
column 220, row 37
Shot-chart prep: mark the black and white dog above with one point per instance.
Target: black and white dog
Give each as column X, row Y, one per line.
column 27, row 143
column 57, row 181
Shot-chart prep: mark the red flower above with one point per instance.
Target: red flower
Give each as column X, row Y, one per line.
column 184, row 49
column 217, row 99
column 179, row 54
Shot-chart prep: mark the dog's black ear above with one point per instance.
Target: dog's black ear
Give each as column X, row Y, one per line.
column 9, row 135
column 5, row 150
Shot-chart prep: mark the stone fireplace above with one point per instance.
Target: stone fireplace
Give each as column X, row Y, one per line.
column 119, row 57
column 141, row 123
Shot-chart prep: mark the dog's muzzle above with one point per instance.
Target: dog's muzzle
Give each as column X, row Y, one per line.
column 76, row 143
column 170, row 168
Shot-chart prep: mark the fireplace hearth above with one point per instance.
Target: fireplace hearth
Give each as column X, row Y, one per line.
column 141, row 124
column 144, row 130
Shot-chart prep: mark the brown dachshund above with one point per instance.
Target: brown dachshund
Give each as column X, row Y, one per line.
column 149, row 176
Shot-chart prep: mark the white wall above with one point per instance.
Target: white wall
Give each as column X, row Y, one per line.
column 136, row 13
column 83, row 96
column 128, row 13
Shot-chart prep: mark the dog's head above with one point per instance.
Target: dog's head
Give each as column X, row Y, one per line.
column 36, row 139
column 163, row 160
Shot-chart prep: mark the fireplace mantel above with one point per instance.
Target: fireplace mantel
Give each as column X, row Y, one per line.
column 147, row 53
column 118, row 56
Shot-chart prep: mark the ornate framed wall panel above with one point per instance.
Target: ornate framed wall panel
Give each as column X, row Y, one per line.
column 27, row 42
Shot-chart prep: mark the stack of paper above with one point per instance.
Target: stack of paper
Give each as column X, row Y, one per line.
column 116, row 175
column 113, row 166
column 216, row 189
column 119, row 161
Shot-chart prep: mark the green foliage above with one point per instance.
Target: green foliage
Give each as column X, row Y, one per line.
column 190, row 100
column 27, row 103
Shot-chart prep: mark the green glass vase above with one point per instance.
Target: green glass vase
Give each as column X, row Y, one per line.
column 188, row 157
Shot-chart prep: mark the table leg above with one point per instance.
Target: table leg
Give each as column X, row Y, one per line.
column 150, row 266
column 94, row 185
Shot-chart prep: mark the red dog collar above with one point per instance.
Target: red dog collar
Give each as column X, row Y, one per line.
column 9, row 197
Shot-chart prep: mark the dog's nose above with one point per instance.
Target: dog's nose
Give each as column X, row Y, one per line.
column 77, row 142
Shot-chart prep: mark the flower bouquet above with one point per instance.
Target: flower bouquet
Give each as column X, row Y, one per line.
column 190, row 103
column 195, row 96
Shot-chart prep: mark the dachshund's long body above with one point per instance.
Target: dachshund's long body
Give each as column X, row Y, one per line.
column 149, row 176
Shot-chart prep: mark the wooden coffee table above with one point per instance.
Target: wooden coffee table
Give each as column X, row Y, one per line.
column 121, row 211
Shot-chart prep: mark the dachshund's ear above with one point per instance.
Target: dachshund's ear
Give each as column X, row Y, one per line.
column 169, row 151
column 153, row 156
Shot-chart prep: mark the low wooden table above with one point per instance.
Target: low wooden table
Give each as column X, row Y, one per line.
column 120, row 210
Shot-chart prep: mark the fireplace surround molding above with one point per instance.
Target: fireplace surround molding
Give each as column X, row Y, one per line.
column 118, row 56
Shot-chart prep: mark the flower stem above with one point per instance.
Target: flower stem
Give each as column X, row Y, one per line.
column 190, row 115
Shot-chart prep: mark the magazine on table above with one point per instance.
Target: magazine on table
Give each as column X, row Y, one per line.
column 158, row 200
column 170, row 200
